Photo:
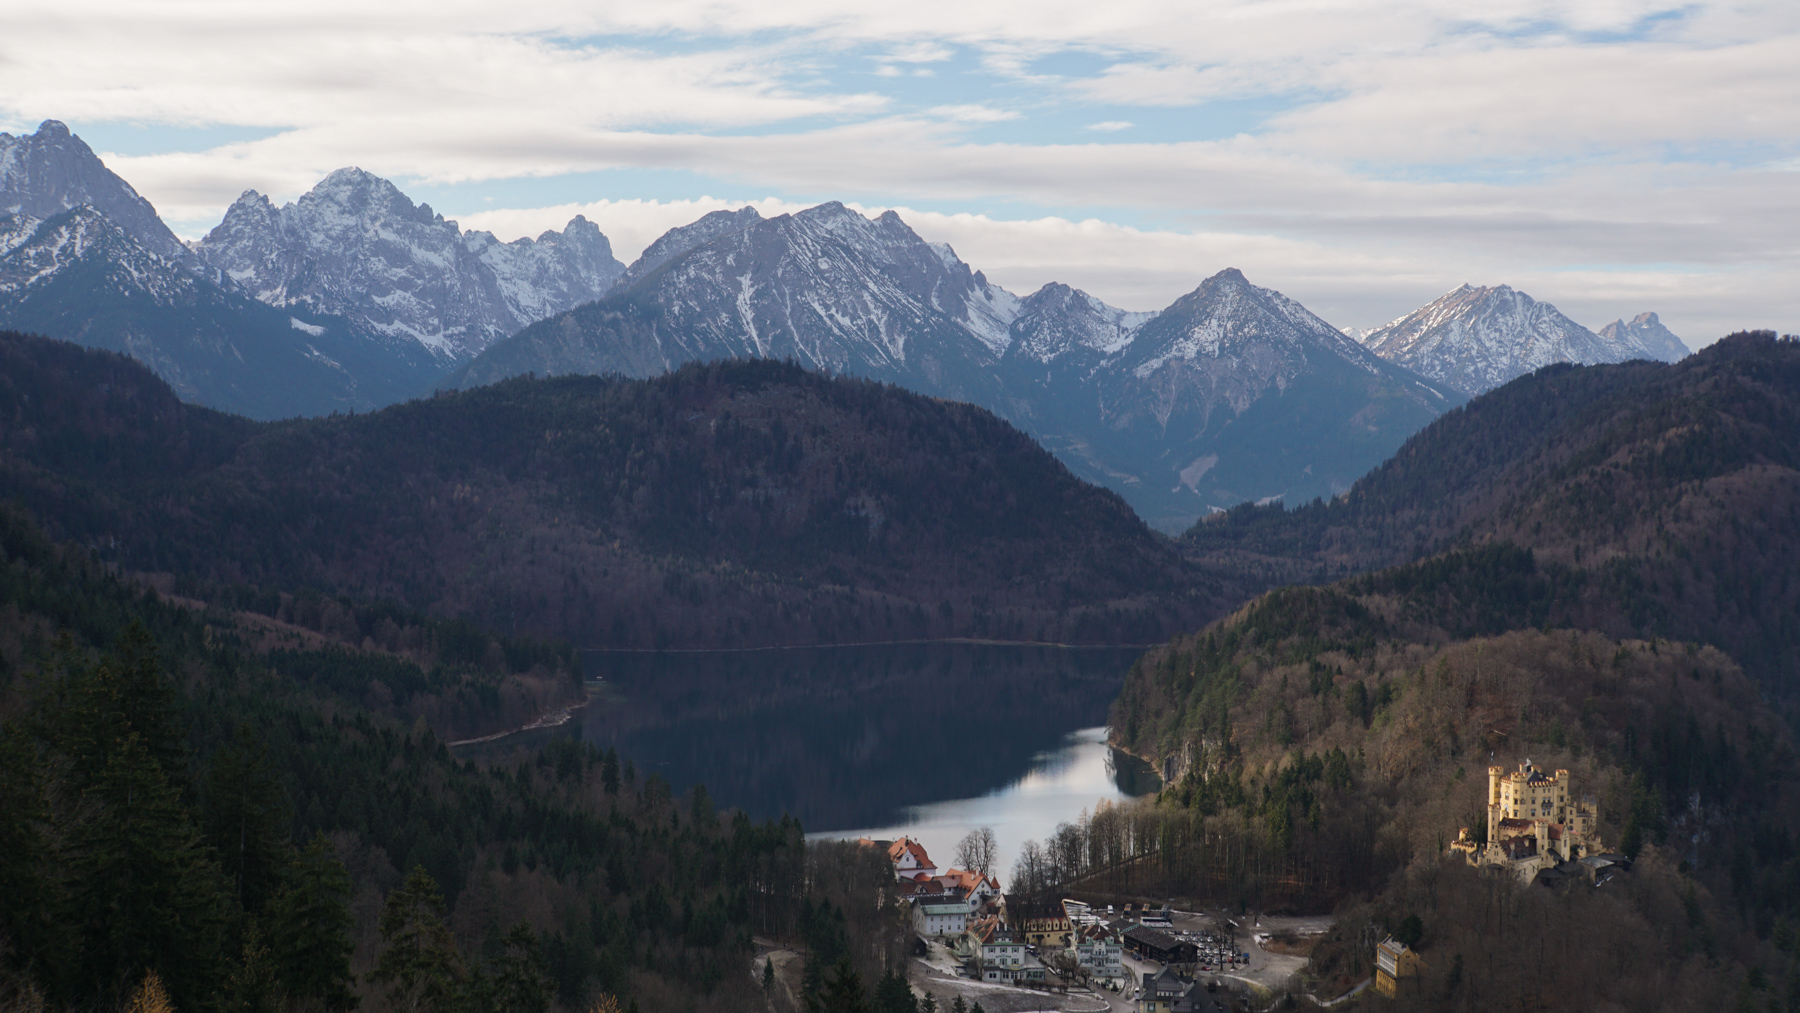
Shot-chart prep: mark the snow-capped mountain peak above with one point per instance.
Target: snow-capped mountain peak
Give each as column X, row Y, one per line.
column 355, row 246
column 52, row 171
column 1645, row 337
column 1477, row 338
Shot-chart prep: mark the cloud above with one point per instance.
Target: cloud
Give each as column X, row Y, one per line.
column 974, row 113
column 1111, row 126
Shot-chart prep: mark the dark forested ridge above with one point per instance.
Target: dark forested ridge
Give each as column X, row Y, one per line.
column 731, row 504
column 1613, row 591
column 179, row 820
column 1669, row 493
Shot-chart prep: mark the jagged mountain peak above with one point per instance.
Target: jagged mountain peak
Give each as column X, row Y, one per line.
column 1645, row 337
column 682, row 238
column 1477, row 338
column 53, row 170
column 356, row 246
column 1057, row 322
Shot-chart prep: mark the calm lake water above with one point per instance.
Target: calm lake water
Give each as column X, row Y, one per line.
column 927, row 739
column 1059, row 784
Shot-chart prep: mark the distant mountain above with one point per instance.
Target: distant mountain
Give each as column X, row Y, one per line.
column 825, row 287
column 1647, row 334
column 735, row 504
column 1476, row 339
column 1146, row 404
column 1239, row 393
column 356, row 247
column 82, row 277
column 52, row 171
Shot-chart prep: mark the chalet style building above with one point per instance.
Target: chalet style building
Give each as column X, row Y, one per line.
column 1039, row 923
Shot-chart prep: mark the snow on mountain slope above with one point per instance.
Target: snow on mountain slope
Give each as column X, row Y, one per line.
column 1057, row 321
column 52, row 171
column 1647, row 337
column 1476, row 339
column 81, row 277
column 355, row 246
column 826, row 286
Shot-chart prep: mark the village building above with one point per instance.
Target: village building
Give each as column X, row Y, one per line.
column 1099, row 950
column 909, row 857
column 1039, row 923
column 1147, row 943
column 992, row 951
column 1394, row 961
column 1534, row 822
column 942, row 917
column 1167, row 992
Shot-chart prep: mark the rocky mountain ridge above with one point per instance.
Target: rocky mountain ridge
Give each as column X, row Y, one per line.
column 355, row 246
column 83, row 277
column 52, row 171
column 1476, row 339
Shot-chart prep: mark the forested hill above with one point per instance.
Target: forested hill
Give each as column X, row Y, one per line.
column 1671, row 492
column 732, row 504
column 173, row 808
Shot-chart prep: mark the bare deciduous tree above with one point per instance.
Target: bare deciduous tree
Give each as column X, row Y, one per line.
column 976, row 851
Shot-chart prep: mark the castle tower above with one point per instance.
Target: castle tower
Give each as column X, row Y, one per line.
column 1493, row 806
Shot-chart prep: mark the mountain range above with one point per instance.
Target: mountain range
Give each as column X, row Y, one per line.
column 1233, row 393
column 355, row 247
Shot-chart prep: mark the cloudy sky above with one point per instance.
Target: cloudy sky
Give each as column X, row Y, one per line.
column 1611, row 156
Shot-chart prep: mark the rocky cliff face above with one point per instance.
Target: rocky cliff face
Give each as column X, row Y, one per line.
column 356, row 247
column 1476, row 339
column 52, row 171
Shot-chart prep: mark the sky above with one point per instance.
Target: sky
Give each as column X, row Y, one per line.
column 1610, row 156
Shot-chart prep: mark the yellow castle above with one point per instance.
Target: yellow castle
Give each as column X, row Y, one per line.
column 1534, row 821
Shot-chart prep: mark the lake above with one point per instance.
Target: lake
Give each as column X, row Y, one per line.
column 916, row 738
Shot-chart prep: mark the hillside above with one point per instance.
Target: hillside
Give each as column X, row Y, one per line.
column 721, row 505
column 176, row 798
column 1673, row 490
column 1325, row 745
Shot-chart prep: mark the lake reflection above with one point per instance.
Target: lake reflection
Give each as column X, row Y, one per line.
column 1059, row 785
column 855, row 736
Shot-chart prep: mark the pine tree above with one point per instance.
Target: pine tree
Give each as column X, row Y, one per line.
column 843, row 992
column 27, row 881
column 894, row 995
column 768, row 976
column 420, row 965
column 143, row 893
column 253, row 986
column 247, row 819
column 521, row 981
column 309, row 925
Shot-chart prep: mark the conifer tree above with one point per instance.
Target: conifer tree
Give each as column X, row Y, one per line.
column 521, row 981
column 248, row 819
column 144, row 895
column 252, row 986
column 27, row 915
column 894, row 995
column 309, row 925
column 420, row 966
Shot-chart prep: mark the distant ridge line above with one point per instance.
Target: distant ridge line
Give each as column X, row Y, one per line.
column 861, row 643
